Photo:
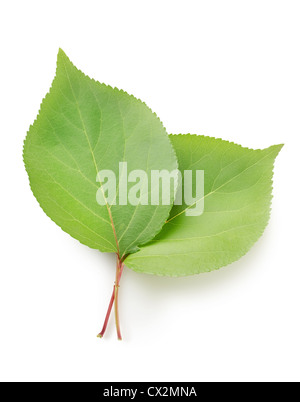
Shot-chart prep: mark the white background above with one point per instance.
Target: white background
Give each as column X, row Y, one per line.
column 228, row 69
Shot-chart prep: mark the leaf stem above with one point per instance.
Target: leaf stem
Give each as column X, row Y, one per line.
column 100, row 335
column 119, row 270
column 114, row 298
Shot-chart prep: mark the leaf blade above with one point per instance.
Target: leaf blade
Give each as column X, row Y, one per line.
column 83, row 127
column 238, row 184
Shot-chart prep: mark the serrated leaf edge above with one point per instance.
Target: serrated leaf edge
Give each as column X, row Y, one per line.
column 61, row 53
column 244, row 251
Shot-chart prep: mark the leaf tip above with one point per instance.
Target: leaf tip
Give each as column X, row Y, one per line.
column 277, row 148
column 61, row 53
column 62, row 58
column 280, row 146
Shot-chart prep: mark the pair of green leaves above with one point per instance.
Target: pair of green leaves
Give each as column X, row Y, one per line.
column 84, row 127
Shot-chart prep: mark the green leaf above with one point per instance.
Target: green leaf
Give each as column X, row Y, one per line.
column 237, row 198
column 84, row 127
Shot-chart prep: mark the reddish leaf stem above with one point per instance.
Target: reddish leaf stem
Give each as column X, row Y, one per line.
column 100, row 335
column 114, row 298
